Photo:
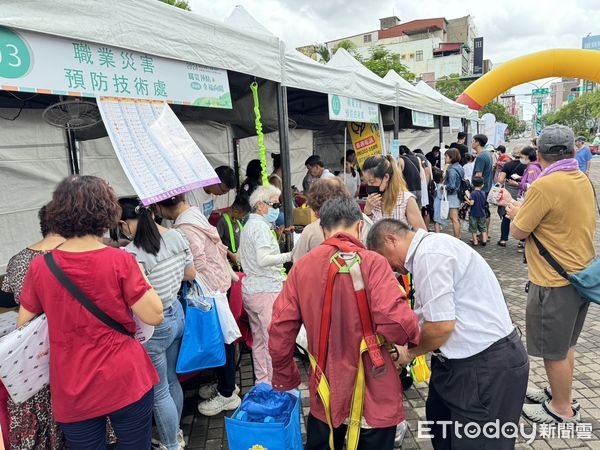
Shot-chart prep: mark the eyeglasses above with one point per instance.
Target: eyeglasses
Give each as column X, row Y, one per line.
column 275, row 205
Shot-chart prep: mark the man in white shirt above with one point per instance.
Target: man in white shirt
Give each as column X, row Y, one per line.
column 316, row 168
column 479, row 364
column 205, row 197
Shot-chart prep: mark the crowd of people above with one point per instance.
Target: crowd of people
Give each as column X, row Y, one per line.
column 342, row 288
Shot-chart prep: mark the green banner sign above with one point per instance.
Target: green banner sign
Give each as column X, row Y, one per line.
column 34, row 62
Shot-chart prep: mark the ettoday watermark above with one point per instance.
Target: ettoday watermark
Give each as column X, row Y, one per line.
column 507, row 430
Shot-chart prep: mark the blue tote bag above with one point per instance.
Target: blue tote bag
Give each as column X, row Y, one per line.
column 267, row 422
column 202, row 345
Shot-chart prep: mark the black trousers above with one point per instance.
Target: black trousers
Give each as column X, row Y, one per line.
column 481, row 389
column 317, row 436
column 226, row 374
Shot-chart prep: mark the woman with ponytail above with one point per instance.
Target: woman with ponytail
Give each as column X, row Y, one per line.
column 166, row 258
column 388, row 195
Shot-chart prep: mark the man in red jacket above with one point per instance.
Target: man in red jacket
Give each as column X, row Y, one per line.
column 303, row 301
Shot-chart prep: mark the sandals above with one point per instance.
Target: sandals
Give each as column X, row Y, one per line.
column 502, row 243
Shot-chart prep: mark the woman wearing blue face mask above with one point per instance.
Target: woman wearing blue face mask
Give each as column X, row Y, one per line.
column 262, row 262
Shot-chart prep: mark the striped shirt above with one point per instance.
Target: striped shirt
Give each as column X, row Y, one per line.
column 165, row 269
column 399, row 211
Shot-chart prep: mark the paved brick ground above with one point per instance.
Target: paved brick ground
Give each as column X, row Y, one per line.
column 209, row 433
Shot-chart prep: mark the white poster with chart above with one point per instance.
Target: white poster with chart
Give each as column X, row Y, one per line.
column 155, row 150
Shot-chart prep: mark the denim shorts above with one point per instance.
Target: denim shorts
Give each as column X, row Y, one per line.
column 453, row 201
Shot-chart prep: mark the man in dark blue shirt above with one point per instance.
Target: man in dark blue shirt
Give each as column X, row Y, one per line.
column 484, row 167
column 484, row 162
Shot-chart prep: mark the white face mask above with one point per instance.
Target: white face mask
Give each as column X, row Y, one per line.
column 524, row 161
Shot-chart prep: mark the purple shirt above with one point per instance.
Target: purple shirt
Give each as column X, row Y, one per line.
column 532, row 172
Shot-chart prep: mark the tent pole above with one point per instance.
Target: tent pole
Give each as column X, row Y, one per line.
column 441, row 128
column 72, row 151
column 345, row 151
column 396, row 121
column 236, row 161
column 284, row 148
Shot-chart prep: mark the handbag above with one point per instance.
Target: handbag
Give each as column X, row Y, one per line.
column 419, row 370
column 444, row 205
column 229, row 327
column 202, row 345
column 586, row 281
column 492, row 197
column 274, row 433
column 25, row 359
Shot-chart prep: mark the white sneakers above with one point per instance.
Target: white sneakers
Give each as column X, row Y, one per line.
column 156, row 444
column 209, row 391
column 218, row 404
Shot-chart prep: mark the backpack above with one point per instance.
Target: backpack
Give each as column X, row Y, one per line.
column 465, row 185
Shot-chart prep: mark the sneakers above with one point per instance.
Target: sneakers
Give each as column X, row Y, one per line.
column 541, row 395
column 400, row 432
column 160, row 446
column 542, row 413
column 209, row 391
column 181, row 439
column 156, row 444
column 218, row 404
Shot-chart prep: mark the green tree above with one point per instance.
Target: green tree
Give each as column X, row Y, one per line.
column 580, row 115
column 514, row 125
column 347, row 45
column 451, row 86
column 183, row 4
column 322, row 52
column 381, row 61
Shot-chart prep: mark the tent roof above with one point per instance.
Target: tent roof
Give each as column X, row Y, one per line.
column 451, row 108
column 423, row 102
column 302, row 72
column 139, row 25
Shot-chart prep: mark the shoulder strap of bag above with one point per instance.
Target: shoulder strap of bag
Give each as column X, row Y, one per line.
column 549, row 258
column 81, row 297
column 595, row 196
column 405, row 158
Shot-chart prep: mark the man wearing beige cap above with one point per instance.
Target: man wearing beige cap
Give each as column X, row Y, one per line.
column 557, row 218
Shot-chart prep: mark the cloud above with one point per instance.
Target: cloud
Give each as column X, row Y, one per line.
column 510, row 28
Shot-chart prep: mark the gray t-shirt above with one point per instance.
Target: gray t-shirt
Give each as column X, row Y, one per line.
column 165, row 269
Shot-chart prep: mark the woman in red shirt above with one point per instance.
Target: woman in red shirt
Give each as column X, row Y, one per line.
column 95, row 371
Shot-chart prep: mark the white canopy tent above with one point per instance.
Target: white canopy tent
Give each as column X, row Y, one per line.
column 301, row 72
column 141, row 25
column 33, row 160
column 421, row 101
column 240, row 45
column 451, row 108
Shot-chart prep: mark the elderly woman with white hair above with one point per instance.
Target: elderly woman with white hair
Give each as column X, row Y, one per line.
column 262, row 262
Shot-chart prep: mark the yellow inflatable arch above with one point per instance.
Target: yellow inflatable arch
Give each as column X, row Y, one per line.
column 571, row 63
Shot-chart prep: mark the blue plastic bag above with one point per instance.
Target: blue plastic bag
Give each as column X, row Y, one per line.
column 202, row 345
column 262, row 402
column 280, row 428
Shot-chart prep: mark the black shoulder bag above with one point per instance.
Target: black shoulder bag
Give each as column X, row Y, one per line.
column 81, row 297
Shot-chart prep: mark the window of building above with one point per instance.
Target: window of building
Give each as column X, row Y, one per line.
column 367, row 38
column 419, row 55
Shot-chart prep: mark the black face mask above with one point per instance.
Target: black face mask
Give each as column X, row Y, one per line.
column 373, row 190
